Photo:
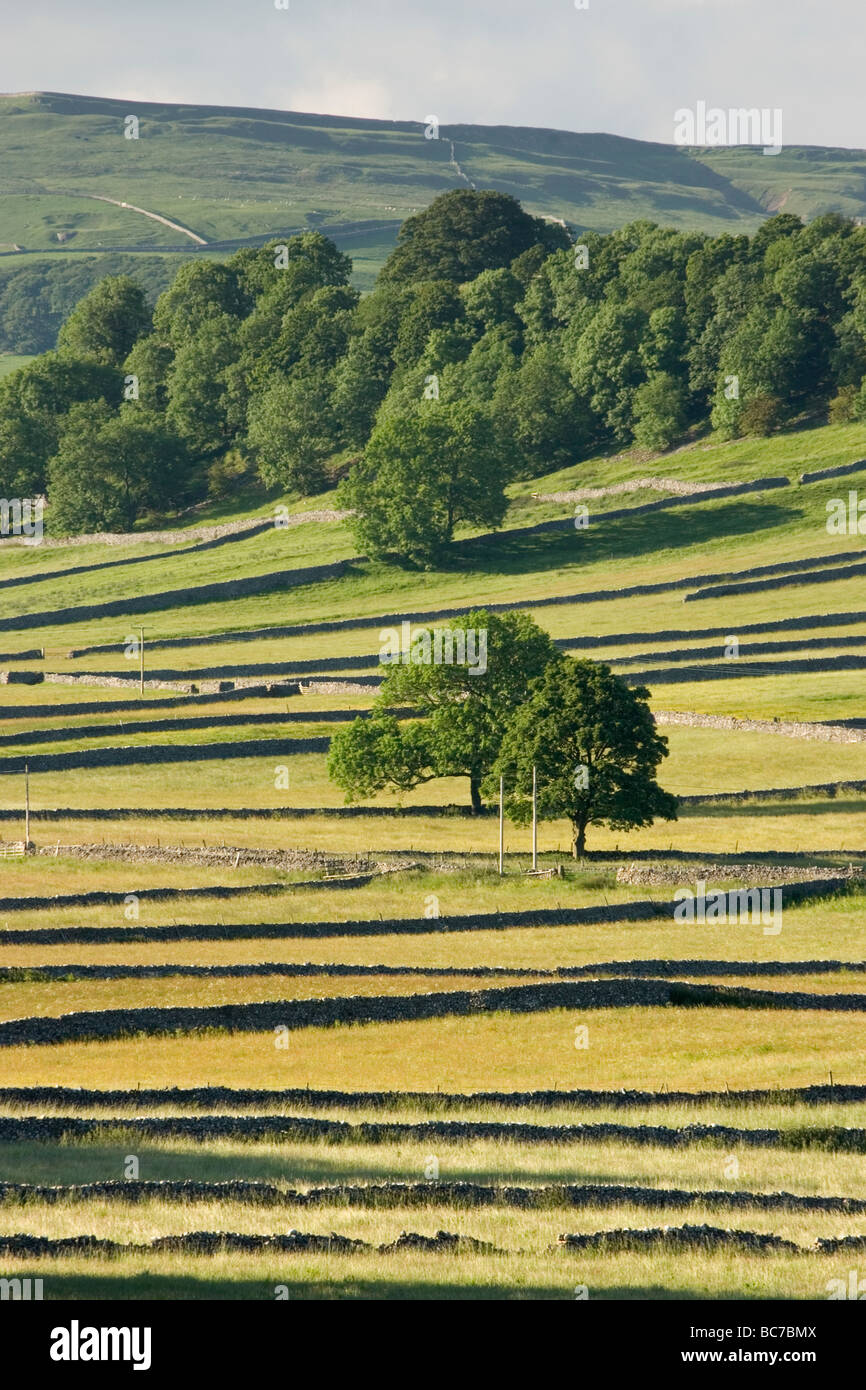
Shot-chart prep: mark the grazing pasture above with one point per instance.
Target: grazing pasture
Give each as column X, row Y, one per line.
column 727, row 1102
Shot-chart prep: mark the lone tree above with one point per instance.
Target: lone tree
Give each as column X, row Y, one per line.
column 595, row 748
column 461, row 707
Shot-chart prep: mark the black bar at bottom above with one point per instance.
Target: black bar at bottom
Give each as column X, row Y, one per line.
column 156, row 1339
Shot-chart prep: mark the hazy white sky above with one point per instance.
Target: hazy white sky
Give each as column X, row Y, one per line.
column 622, row 66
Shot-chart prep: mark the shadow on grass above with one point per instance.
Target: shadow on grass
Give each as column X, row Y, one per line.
column 63, row 1164
column 826, row 856
column 145, row 1286
column 622, row 538
column 782, row 807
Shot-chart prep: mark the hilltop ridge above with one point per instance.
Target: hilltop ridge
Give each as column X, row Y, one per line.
column 64, row 154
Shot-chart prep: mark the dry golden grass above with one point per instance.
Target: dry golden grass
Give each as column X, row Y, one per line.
column 640, row 1048
column 828, row 929
column 31, row 998
column 554, row 1275
column 698, row 1167
column 643, row 1048
column 400, row 1107
column 508, row 1228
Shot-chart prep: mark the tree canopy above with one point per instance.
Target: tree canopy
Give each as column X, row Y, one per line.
column 595, row 748
column 494, row 346
column 421, row 474
column 463, row 233
column 460, row 707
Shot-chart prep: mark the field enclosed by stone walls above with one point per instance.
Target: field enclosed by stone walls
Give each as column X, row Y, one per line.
column 256, row 1043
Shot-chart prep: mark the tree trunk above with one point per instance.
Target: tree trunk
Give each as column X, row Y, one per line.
column 578, row 847
column 475, row 793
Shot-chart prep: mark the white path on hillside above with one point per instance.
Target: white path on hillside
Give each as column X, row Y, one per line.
column 154, row 216
column 457, row 166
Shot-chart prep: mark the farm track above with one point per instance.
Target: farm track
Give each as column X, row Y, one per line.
column 143, row 212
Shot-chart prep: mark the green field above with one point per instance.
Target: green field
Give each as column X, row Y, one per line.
column 801, row 821
column 66, row 157
column 10, row 362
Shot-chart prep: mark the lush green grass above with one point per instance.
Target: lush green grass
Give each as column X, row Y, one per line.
column 287, row 171
column 642, row 1048
column 10, row 362
column 691, row 538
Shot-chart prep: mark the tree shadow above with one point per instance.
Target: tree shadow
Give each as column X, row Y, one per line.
column 620, row 538
column 146, row 1286
column 780, row 807
column 75, row 1164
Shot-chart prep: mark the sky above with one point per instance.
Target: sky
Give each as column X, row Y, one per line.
column 622, row 66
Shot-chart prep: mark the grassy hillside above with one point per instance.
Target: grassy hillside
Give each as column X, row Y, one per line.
column 230, row 174
column 409, row 1096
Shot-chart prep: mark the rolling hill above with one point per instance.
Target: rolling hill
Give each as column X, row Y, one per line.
column 205, row 179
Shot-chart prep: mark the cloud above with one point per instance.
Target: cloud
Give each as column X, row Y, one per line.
column 347, row 95
column 621, row 65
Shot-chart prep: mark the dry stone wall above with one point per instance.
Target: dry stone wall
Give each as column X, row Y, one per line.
column 785, row 728
column 138, row 753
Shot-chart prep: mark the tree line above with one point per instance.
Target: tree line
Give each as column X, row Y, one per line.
column 37, row 297
column 494, row 346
